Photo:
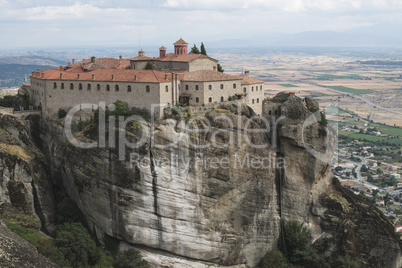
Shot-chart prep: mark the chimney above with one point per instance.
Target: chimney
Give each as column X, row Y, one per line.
column 78, row 76
column 61, row 76
column 292, row 93
column 68, row 64
column 214, row 68
column 73, row 61
column 141, row 53
column 93, row 76
column 135, row 78
column 38, row 69
column 61, row 67
column 162, row 52
column 33, row 73
column 93, row 59
column 120, row 57
column 166, row 76
column 112, row 77
column 42, row 75
column 246, row 73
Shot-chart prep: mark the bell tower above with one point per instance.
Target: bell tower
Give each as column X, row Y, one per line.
column 180, row 47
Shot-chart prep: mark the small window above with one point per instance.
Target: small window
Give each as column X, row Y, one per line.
column 234, row 85
column 54, row 85
column 258, row 100
column 71, row 86
column 222, row 99
column 148, row 89
column 116, row 87
column 210, row 99
column 80, row 86
column 221, row 86
column 196, row 87
column 276, row 112
column 210, row 87
column 62, row 86
column 107, row 88
column 260, row 87
column 253, row 101
column 270, row 112
column 244, row 90
column 89, row 87
column 252, row 89
column 97, row 87
column 128, row 88
column 166, row 88
column 197, row 100
column 186, row 87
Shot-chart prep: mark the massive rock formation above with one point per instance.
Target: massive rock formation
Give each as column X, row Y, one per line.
column 217, row 193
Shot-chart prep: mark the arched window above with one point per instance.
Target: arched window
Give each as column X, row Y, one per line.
column 116, row 87
column 148, row 89
column 258, row 100
column 71, row 86
column 97, row 87
column 244, row 89
column 80, row 86
column 166, row 88
column 196, row 87
column 89, row 87
column 186, row 87
column 234, row 85
column 221, row 86
column 260, row 87
column 210, row 99
column 222, row 99
column 107, row 88
column 54, row 85
column 197, row 100
column 270, row 112
column 210, row 87
column 128, row 88
column 253, row 101
column 252, row 88
column 62, row 86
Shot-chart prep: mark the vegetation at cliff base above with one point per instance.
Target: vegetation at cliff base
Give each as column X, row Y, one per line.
column 297, row 251
column 130, row 258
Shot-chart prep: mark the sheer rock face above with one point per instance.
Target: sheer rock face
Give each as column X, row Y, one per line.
column 25, row 182
column 185, row 195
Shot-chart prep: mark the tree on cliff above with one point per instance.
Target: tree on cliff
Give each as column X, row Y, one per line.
column 194, row 50
column 130, row 258
column 149, row 66
column 203, row 51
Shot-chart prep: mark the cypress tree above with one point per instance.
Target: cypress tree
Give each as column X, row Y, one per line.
column 194, row 50
column 203, row 51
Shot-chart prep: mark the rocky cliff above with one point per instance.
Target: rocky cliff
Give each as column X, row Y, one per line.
column 218, row 192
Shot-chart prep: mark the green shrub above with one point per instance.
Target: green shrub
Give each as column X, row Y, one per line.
column 7, row 101
column 323, row 121
column 274, row 259
column 76, row 245
column 297, row 244
column 130, row 258
column 345, row 262
column 61, row 113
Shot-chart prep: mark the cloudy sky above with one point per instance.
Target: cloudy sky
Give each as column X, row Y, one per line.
column 45, row 23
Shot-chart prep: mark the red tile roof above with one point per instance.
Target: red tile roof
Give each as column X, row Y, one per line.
column 180, row 42
column 142, row 58
column 163, row 48
column 208, row 75
column 128, row 75
column 184, row 57
column 247, row 80
column 100, row 63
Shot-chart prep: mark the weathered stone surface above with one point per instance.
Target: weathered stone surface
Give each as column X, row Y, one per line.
column 24, row 180
column 312, row 104
column 169, row 197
